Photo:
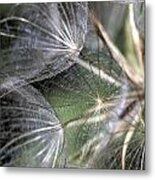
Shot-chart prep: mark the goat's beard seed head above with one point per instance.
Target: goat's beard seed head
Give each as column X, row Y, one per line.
column 46, row 34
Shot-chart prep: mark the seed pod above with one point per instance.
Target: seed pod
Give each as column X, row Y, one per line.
column 42, row 39
column 30, row 133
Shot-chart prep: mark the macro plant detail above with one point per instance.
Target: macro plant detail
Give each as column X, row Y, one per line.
column 70, row 95
column 43, row 42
